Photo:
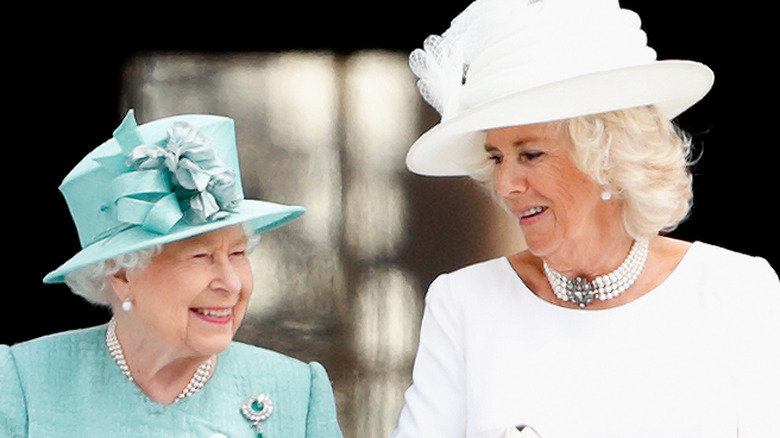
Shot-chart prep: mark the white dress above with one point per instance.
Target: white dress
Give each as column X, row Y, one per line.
column 696, row 357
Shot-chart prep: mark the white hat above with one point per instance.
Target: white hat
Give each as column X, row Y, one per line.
column 518, row 62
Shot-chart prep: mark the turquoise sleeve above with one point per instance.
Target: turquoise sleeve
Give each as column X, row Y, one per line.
column 321, row 420
column 13, row 413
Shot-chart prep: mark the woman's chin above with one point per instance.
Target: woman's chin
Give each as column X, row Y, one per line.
column 209, row 345
column 538, row 245
column 211, row 335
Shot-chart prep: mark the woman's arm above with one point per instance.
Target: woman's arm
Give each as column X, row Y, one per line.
column 435, row 404
column 321, row 421
column 757, row 330
column 13, row 413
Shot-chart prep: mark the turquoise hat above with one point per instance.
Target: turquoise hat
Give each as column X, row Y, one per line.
column 157, row 183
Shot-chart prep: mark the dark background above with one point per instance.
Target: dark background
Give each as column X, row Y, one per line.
column 63, row 72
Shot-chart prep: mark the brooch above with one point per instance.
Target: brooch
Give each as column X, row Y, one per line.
column 257, row 409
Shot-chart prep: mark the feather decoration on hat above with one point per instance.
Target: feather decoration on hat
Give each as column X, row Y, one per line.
column 443, row 62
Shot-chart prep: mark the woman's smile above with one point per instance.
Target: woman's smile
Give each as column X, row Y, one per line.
column 530, row 215
column 215, row 315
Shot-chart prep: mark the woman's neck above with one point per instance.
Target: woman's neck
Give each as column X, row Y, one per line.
column 590, row 258
column 158, row 370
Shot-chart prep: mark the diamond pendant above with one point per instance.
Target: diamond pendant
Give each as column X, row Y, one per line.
column 257, row 409
column 581, row 291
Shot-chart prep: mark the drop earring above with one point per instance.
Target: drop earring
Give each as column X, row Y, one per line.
column 606, row 196
column 127, row 305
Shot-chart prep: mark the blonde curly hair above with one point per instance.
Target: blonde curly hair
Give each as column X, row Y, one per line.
column 640, row 157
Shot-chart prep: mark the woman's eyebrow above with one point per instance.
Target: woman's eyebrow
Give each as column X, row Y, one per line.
column 522, row 141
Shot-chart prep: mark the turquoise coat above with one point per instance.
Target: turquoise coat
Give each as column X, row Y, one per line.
column 67, row 385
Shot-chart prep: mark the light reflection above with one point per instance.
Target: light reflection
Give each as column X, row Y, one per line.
column 379, row 105
column 289, row 279
column 376, row 400
column 381, row 115
column 375, row 216
column 300, row 129
column 269, row 286
column 300, row 93
column 385, row 332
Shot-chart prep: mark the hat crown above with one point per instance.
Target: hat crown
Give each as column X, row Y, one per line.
column 498, row 47
column 139, row 177
column 519, row 62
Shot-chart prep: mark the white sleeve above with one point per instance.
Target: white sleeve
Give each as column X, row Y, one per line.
column 435, row 403
column 757, row 306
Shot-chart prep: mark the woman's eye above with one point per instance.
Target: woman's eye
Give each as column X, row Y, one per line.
column 496, row 159
column 239, row 251
column 527, row 156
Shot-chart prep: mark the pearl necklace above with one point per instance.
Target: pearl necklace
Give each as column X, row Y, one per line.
column 604, row 287
column 199, row 379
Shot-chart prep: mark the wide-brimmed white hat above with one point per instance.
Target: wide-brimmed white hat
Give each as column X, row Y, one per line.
column 519, row 62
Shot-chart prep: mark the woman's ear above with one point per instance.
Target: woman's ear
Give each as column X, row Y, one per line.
column 120, row 284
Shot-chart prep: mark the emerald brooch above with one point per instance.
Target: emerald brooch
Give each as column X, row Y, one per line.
column 257, row 409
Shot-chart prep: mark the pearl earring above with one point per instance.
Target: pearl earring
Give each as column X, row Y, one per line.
column 606, row 196
column 127, row 305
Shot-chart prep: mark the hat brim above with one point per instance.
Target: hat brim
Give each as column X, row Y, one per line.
column 261, row 215
column 672, row 86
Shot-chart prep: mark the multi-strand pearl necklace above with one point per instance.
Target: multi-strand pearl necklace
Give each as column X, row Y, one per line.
column 201, row 376
column 604, row 287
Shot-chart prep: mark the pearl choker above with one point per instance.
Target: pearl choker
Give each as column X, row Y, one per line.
column 199, row 379
column 604, row 287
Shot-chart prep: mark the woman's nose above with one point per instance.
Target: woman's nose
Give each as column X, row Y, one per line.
column 510, row 179
column 226, row 276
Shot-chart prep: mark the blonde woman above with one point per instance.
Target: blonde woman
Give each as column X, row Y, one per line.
column 602, row 327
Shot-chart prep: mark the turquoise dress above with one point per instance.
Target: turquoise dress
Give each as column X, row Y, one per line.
column 67, row 385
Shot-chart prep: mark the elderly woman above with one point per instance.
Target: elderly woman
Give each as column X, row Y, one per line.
column 165, row 233
column 602, row 327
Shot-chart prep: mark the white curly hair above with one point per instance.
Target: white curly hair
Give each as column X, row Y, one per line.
column 91, row 282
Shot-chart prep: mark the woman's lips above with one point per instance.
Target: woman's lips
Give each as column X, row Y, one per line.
column 531, row 211
column 528, row 215
column 221, row 315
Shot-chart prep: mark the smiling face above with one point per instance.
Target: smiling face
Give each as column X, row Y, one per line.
column 557, row 205
column 192, row 297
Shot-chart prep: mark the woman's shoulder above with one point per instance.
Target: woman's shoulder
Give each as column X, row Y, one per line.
column 246, row 355
column 480, row 271
column 66, row 344
column 53, row 365
column 243, row 350
column 716, row 253
column 478, row 284
column 723, row 264
column 250, row 366
column 732, row 270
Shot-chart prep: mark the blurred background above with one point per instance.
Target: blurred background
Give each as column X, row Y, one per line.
column 326, row 108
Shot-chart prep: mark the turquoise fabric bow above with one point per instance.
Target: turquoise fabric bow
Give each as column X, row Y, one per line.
column 158, row 185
